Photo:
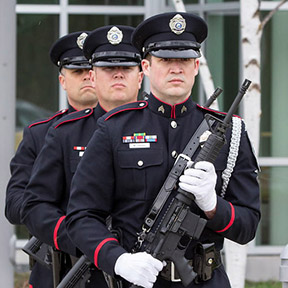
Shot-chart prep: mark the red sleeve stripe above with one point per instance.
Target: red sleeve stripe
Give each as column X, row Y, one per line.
column 231, row 219
column 98, row 248
column 56, row 231
column 30, row 286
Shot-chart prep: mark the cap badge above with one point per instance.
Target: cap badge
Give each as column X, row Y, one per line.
column 81, row 39
column 114, row 35
column 177, row 24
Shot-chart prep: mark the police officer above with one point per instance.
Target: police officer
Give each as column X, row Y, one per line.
column 117, row 79
column 67, row 54
column 129, row 157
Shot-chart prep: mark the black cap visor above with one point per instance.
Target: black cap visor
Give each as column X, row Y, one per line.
column 174, row 49
column 115, row 58
column 176, row 54
column 116, row 63
column 75, row 63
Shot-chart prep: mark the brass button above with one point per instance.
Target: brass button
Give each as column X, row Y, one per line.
column 174, row 154
column 140, row 163
column 173, row 124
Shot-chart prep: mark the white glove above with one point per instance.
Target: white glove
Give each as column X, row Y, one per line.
column 139, row 268
column 201, row 182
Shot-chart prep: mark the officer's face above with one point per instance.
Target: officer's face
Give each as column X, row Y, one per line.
column 171, row 80
column 116, row 86
column 81, row 93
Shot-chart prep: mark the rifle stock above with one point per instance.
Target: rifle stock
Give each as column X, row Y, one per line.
column 38, row 250
column 78, row 274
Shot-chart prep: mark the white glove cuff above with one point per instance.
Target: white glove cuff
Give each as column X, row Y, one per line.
column 119, row 263
column 209, row 203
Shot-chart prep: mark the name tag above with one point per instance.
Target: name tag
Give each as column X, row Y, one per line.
column 139, row 145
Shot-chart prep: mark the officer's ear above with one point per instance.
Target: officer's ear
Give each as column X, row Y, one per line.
column 62, row 79
column 197, row 63
column 140, row 79
column 92, row 76
column 146, row 66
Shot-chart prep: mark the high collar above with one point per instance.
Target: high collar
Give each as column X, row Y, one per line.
column 170, row 111
column 99, row 109
column 71, row 109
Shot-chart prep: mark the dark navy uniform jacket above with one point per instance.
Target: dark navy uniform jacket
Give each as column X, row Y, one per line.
column 21, row 166
column 47, row 194
column 122, row 179
column 23, row 161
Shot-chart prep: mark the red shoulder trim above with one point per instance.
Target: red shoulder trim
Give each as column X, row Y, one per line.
column 87, row 112
column 231, row 219
column 61, row 112
column 127, row 107
column 216, row 111
column 98, row 248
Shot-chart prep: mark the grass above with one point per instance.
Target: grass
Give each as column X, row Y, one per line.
column 263, row 284
column 21, row 280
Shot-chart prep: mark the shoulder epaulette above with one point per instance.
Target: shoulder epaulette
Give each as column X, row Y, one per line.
column 215, row 111
column 61, row 112
column 74, row 116
column 138, row 105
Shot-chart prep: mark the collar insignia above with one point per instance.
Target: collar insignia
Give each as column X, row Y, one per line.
column 115, row 35
column 184, row 109
column 177, row 24
column 81, row 39
column 161, row 109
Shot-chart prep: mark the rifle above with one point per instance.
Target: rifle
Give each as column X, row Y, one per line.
column 38, row 251
column 78, row 274
column 80, row 271
column 170, row 226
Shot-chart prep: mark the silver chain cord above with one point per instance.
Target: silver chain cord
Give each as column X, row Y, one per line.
column 233, row 153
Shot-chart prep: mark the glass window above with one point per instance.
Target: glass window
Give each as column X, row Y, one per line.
column 273, row 225
column 91, row 22
column 222, row 53
column 191, row 1
column 218, row 1
column 37, row 77
column 265, row 134
column 274, row 61
column 107, row 2
column 37, row 2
